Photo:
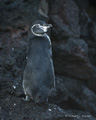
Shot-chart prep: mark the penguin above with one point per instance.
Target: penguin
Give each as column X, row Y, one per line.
column 38, row 75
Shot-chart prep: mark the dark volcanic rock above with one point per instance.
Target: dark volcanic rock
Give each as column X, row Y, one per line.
column 84, row 22
column 92, row 83
column 82, row 4
column 92, row 42
column 64, row 15
column 71, row 59
column 69, row 52
column 13, row 59
column 74, row 42
column 87, row 29
column 20, row 110
column 88, row 33
column 18, row 12
column 78, row 96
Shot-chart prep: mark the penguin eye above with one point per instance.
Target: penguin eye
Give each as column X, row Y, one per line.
column 37, row 26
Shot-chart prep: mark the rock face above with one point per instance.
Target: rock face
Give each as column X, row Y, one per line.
column 65, row 19
column 70, row 52
column 88, row 33
column 74, row 52
column 49, row 112
column 71, row 59
column 19, row 12
column 75, row 93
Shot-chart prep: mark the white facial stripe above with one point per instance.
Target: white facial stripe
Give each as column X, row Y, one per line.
column 44, row 28
column 48, row 39
column 33, row 31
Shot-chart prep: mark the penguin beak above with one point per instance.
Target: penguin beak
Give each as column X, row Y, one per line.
column 45, row 27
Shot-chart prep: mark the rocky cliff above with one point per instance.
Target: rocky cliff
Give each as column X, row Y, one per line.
column 73, row 37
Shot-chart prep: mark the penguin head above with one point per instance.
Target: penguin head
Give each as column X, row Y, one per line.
column 39, row 28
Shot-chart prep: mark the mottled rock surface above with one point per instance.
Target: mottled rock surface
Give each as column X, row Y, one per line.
column 17, row 13
column 88, row 33
column 71, row 59
column 75, row 94
column 74, row 53
column 64, row 15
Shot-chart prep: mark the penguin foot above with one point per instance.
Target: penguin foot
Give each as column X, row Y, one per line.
column 26, row 99
column 53, row 91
